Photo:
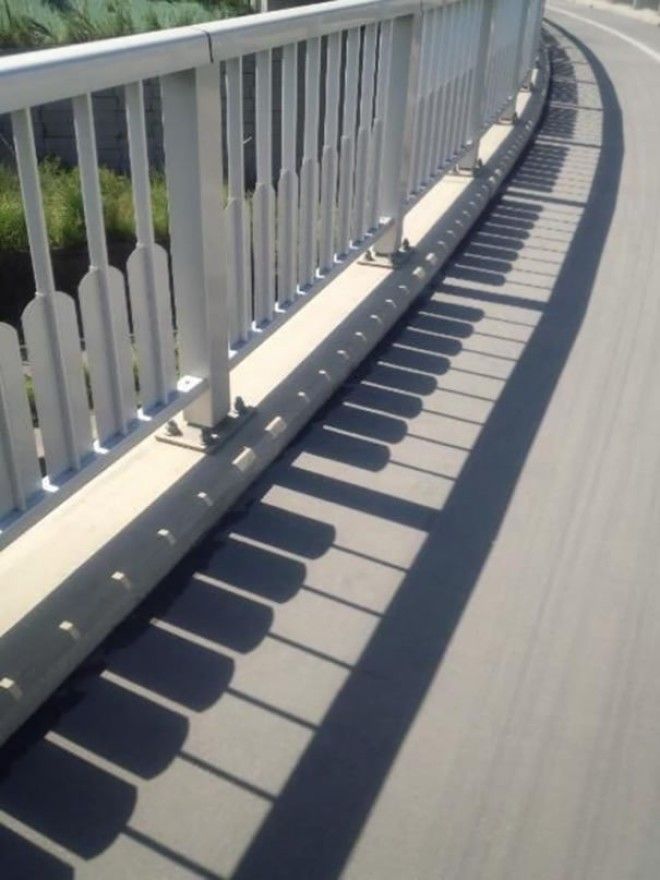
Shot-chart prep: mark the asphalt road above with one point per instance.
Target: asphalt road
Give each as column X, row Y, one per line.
column 427, row 645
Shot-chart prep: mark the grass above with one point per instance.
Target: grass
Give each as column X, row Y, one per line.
column 63, row 208
column 33, row 24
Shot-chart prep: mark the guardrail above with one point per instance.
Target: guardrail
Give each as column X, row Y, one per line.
column 396, row 93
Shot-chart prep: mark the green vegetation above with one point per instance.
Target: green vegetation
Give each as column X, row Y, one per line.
column 32, row 24
column 62, row 201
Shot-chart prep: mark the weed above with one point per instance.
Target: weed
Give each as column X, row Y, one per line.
column 62, row 200
column 31, row 24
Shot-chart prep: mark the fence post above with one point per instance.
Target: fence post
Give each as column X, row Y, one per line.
column 534, row 42
column 192, row 129
column 509, row 114
column 398, row 130
column 470, row 159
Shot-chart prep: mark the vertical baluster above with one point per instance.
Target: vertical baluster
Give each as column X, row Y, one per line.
column 192, row 128
column 529, row 51
column 463, row 62
column 20, row 477
column 476, row 101
column 470, row 55
column 347, row 148
column 382, row 89
column 51, row 329
column 492, row 65
column 427, row 98
column 506, row 74
column 524, row 48
column 500, row 58
column 535, row 40
column 419, row 103
column 519, row 11
column 508, row 41
column 309, row 170
column 397, row 139
column 496, row 60
column 449, row 86
column 461, row 45
column 508, row 53
column 363, row 150
column 510, row 48
column 148, row 273
column 287, row 187
column 237, row 214
column 514, row 80
column 329, row 157
column 102, row 297
column 263, row 202
column 517, row 22
column 443, row 79
column 427, row 160
column 474, row 73
column 456, row 65
column 436, row 87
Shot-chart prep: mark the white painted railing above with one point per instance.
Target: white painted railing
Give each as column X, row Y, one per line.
column 394, row 94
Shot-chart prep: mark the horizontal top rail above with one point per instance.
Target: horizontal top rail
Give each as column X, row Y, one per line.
column 32, row 78
column 39, row 77
column 238, row 36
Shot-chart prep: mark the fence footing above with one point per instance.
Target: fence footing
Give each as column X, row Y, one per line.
column 208, row 440
column 388, row 261
column 473, row 169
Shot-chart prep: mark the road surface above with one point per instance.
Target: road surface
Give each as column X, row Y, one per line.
column 427, row 645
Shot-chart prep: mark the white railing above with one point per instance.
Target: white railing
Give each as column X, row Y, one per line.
column 394, row 94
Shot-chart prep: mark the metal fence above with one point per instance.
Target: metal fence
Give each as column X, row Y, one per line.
column 395, row 93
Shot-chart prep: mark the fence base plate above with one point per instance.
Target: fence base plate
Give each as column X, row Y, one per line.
column 387, row 261
column 207, row 440
column 472, row 170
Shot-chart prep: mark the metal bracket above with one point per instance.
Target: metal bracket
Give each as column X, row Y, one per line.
column 511, row 120
column 471, row 171
column 207, row 440
column 388, row 261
